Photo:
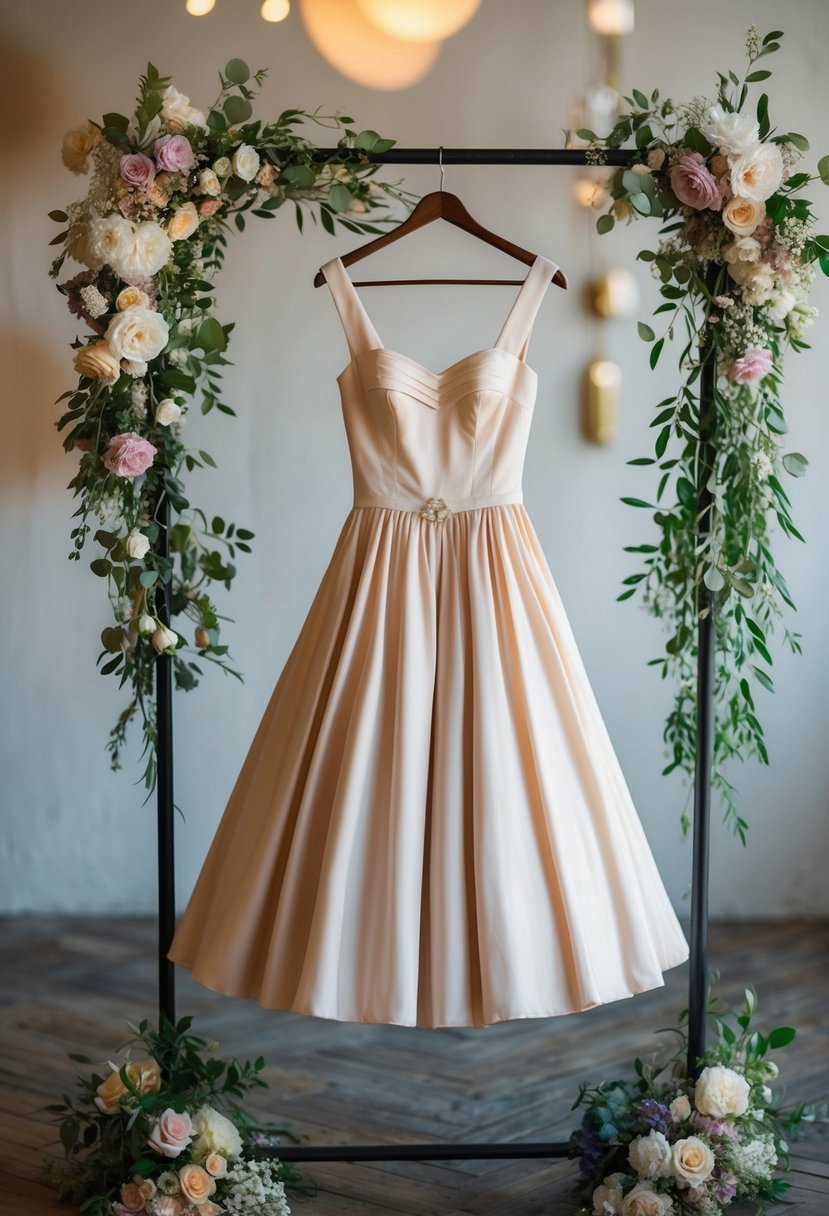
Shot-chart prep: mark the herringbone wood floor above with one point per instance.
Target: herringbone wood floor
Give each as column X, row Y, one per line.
column 72, row 984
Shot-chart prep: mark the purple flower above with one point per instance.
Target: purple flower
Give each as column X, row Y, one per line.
column 725, row 1185
column 654, row 1114
column 714, row 1127
column 173, row 152
column 590, row 1148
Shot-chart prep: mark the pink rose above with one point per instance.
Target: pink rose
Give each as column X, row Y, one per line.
column 751, row 367
column 129, row 455
column 137, row 169
column 173, row 152
column 170, row 1134
column 692, row 183
column 210, row 206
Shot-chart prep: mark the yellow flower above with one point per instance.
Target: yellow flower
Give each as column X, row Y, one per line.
column 77, row 144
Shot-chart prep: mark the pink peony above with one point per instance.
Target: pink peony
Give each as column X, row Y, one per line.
column 173, row 152
column 693, row 184
column 751, row 367
column 129, row 455
column 137, row 169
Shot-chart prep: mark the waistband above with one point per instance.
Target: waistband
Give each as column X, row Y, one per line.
column 438, row 508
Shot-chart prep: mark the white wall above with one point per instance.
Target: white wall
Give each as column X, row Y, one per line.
column 76, row 837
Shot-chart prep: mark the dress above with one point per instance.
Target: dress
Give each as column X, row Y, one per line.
column 431, row 826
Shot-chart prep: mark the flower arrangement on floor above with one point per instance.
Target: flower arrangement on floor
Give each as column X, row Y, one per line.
column 151, row 236
column 664, row 1144
column 159, row 1134
column 735, row 266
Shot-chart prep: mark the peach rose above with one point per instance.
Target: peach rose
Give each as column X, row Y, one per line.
column 210, row 206
column 742, row 215
column 97, row 361
column 171, row 1133
column 145, row 1075
column 130, row 297
column 184, row 222
column 146, row 1186
column 77, row 144
column 214, row 1163
column 132, row 1198
column 196, row 1183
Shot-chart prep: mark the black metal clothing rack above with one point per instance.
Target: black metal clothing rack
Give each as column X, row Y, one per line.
column 698, row 959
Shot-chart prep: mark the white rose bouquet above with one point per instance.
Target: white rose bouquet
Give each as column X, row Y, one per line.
column 665, row 1144
column 161, row 1135
column 735, row 266
column 150, row 236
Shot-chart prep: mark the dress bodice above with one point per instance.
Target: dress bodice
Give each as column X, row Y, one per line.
column 456, row 437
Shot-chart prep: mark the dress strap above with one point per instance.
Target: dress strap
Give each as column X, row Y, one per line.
column 359, row 331
column 515, row 335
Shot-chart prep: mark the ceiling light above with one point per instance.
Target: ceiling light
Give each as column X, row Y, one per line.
column 420, row 20
column 343, row 35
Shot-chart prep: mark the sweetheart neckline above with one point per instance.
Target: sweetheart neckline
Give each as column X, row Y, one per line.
column 435, row 375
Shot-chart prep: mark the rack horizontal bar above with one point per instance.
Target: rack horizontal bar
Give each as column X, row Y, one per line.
column 486, row 156
column 413, row 1152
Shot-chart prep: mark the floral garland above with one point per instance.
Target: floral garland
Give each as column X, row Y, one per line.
column 160, row 1135
column 735, row 268
column 664, row 1144
column 151, row 234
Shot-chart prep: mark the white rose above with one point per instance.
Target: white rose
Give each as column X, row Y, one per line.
column 150, row 250
column 680, row 1108
column 650, row 1156
column 744, row 249
column 222, row 166
column 721, row 1091
column 731, row 132
column 607, row 1197
column 136, row 544
column 758, row 173
column 147, row 624
column 643, row 1200
column 779, row 308
column 164, row 639
column 109, row 239
column 130, row 296
column 178, row 111
column 214, row 1134
column 692, row 1160
column 209, row 182
column 656, row 158
column 742, row 215
column 137, row 333
column 168, row 411
column 246, row 162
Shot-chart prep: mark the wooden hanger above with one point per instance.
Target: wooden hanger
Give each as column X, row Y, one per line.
column 444, row 206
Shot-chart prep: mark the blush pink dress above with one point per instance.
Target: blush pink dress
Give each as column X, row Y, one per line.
column 431, row 826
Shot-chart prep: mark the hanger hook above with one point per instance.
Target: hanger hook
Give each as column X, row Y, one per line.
column 440, row 163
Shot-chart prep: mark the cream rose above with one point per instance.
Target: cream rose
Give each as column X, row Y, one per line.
column 97, row 361
column 643, row 1200
column 209, row 182
column 756, row 174
column 743, row 249
column 77, row 144
column 245, row 162
column 149, row 250
column 178, row 111
column 136, row 544
column 650, row 1156
column 110, row 239
column 742, row 215
column 222, row 166
column 196, row 1184
column 215, row 1163
column 168, row 411
column 131, row 296
column 680, row 1108
column 692, row 1160
column 184, row 222
column 137, row 333
column 721, row 1091
column 165, row 640
column 608, row 1195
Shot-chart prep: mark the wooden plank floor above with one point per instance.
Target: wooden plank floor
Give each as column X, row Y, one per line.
column 71, row 984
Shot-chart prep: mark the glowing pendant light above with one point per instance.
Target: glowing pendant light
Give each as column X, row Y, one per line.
column 275, row 10
column 343, row 35
column 420, row 20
